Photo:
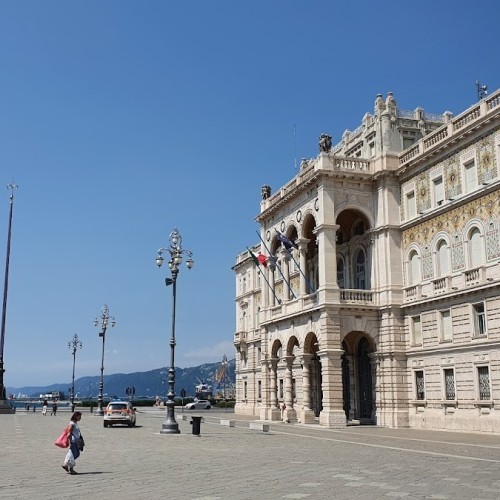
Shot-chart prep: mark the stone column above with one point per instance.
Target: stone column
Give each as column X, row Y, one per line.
column 327, row 262
column 274, row 413
column 304, row 286
column 285, row 269
column 332, row 415
column 306, row 414
column 290, row 414
column 265, row 405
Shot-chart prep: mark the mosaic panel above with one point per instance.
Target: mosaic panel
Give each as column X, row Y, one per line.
column 483, row 150
column 453, row 179
column 492, row 241
column 457, row 252
column 423, row 194
column 427, row 269
column 487, row 168
column 452, row 222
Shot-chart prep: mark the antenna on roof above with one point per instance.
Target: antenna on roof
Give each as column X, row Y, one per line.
column 482, row 90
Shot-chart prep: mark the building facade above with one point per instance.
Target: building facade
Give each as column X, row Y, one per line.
column 376, row 296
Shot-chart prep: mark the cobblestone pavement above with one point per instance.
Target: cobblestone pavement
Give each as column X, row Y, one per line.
column 237, row 463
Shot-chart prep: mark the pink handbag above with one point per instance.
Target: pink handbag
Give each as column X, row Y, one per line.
column 63, row 440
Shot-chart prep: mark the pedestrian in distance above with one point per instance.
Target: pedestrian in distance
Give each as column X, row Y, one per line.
column 76, row 443
column 44, row 407
column 54, row 408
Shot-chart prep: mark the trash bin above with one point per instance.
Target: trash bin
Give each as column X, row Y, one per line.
column 196, row 423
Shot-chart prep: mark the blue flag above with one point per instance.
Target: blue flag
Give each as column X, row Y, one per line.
column 286, row 242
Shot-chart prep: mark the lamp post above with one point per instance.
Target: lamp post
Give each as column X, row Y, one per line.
column 170, row 426
column 105, row 320
column 4, row 405
column 73, row 344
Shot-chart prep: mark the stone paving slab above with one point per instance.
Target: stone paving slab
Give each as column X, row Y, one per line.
column 236, row 463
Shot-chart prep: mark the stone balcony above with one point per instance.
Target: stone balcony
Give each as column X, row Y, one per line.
column 457, row 283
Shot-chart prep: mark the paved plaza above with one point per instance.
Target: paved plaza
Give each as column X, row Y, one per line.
column 237, row 463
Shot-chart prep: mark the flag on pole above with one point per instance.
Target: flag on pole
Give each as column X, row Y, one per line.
column 288, row 244
column 257, row 262
column 262, row 259
column 254, row 257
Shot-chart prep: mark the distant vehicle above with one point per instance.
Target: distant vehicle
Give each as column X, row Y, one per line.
column 201, row 404
column 119, row 412
column 202, row 390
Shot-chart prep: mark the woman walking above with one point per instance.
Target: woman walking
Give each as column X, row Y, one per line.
column 74, row 434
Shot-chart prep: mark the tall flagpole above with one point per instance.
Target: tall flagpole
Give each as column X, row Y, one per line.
column 276, row 265
column 4, row 405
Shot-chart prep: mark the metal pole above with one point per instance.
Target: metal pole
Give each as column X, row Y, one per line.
column 176, row 251
column 73, row 382
column 105, row 317
column 170, row 426
column 100, row 398
column 4, row 406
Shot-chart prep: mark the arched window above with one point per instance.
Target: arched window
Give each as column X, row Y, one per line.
column 341, row 273
column 360, row 273
column 443, row 258
column 476, row 254
column 414, row 276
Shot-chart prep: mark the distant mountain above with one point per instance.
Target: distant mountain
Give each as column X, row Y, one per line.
column 147, row 384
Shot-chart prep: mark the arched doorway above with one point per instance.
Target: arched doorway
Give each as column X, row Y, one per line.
column 314, row 380
column 365, row 392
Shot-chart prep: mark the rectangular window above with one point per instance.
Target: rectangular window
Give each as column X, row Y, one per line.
column 407, row 142
column 446, row 326
column 411, row 205
column 449, row 384
column 416, row 330
column 479, row 317
column 259, row 389
column 281, row 394
column 483, row 379
column 438, row 191
column 245, row 390
column 419, row 385
column 470, row 176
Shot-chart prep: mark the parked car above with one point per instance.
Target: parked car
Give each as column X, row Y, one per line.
column 119, row 412
column 201, row 404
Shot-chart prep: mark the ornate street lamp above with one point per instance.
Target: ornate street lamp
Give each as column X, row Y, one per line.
column 105, row 320
column 73, row 344
column 170, row 426
column 4, row 405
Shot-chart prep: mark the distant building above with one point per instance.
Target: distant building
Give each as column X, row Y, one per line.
column 386, row 309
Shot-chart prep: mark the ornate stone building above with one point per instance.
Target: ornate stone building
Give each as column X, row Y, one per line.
column 386, row 308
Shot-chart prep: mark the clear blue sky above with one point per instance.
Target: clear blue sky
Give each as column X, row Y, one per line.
column 120, row 120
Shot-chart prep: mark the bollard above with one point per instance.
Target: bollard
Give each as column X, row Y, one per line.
column 33, row 408
column 91, row 409
column 196, row 423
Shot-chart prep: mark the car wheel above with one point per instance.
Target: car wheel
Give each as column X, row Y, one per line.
column 207, row 407
column 105, row 424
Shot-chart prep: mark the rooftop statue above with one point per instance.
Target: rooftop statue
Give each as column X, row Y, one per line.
column 325, row 143
column 265, row 192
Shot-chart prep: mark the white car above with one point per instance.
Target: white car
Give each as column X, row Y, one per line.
column 201, row 404
column 119, row 412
